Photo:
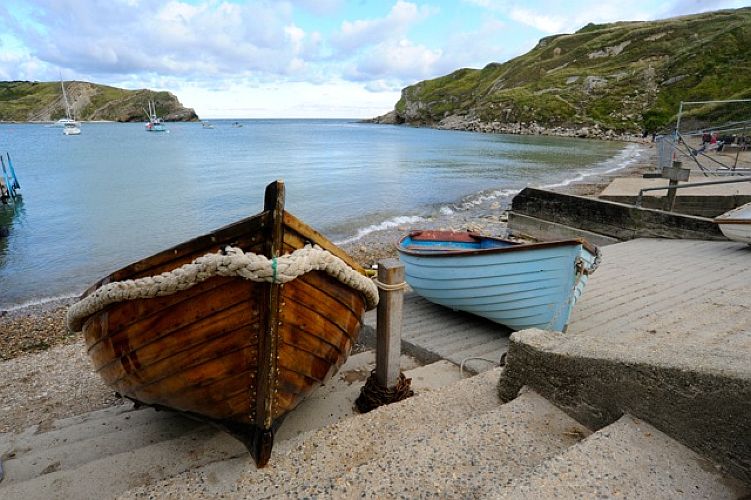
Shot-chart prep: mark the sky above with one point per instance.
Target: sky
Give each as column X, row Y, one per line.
column 289, row 58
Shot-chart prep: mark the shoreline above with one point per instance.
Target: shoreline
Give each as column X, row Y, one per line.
column 489, row 217
column 481, row 211
column 482, row 214
column 38, row 388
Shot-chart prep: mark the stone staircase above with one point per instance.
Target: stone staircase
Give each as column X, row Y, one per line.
column 103, row 453
column 457, row 441
column 629, row 459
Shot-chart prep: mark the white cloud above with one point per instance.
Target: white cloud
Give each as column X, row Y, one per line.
column 683, row 7
column 553, row 16
column 359, row 33
column 194, row 40
column 475, row 49
column 402, row 59
column 334, row 99
column 546, row 24
column 319, row 7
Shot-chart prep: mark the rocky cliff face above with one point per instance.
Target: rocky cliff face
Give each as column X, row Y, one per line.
column 602, row 81
column 43, row 101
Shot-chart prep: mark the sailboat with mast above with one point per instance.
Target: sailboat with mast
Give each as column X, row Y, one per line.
column 69, row 124
column 155, row 124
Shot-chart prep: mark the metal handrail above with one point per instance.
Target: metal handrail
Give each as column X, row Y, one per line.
column 679, row 186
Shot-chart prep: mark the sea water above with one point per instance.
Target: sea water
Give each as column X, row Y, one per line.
column 115, row 194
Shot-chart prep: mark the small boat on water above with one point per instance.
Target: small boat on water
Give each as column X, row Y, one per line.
column 237, row 327
column 64, row 121
column 155, row 124
column 10, row 188
column 736, row 224
column 206, row 125
column 71, row 129
column 69, row 124
column 519, row 285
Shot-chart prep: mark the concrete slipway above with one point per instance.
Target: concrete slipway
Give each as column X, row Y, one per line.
column 661, row 335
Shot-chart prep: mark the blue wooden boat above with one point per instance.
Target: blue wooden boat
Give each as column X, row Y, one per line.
column 519, row 285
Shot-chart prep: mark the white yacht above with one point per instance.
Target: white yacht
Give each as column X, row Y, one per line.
column 69, row 124
column 71, row 128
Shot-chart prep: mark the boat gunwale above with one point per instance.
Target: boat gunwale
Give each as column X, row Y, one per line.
column 180, row 250
column 514, row 246
column 217, row 236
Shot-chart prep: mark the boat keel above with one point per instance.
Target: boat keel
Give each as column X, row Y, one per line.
column 258, row 441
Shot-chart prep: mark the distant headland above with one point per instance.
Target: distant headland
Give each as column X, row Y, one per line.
column 603, row 81
column 22, row 101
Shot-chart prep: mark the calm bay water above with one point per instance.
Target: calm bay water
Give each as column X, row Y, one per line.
column 116, row 193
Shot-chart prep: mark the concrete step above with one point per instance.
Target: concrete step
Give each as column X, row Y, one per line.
column 78, row 444
column 120, row 448
column 318, row 455
column 453, row 460
column 629, row 459
column 109, row 474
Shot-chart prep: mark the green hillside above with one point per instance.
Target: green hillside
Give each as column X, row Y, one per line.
column 43, row 101
column 624, row 77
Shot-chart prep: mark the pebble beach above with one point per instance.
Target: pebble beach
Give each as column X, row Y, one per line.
column 45, row 370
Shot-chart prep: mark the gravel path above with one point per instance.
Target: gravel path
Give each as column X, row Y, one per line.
column 34, row 328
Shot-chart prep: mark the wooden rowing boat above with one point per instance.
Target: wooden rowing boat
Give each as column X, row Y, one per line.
column 241, row 354
column 519, row 285
column 736, row 224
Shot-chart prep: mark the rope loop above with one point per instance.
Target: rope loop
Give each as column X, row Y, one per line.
column 230, row 261
column 583, row 269
column 372, row 395
column 389, row 288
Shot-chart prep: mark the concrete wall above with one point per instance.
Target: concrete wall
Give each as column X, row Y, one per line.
column 701, row 206
column 615, row 220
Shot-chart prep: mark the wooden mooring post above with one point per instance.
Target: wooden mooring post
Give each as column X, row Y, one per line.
column 674, row 174
column 389, row 322
column 387, row 384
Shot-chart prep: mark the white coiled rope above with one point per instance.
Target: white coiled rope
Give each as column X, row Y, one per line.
column 233, row 262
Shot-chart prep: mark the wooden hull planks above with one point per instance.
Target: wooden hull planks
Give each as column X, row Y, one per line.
column 239, row 353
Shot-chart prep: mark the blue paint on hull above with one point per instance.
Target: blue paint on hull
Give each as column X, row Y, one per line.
column 517, row 285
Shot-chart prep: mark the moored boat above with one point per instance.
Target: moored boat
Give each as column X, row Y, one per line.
column 155, row 124
column 519, row 285
column 63, row 121
column 69, row 124
column 71, row 129
column 272, row 311
column 736, row 224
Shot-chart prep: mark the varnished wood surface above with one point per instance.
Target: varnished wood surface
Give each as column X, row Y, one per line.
column 230, row 350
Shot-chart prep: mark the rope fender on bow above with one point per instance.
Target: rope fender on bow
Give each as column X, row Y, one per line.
column 232, row 262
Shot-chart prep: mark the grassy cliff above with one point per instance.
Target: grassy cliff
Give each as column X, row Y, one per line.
column 43, row 101
column 625, row 77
